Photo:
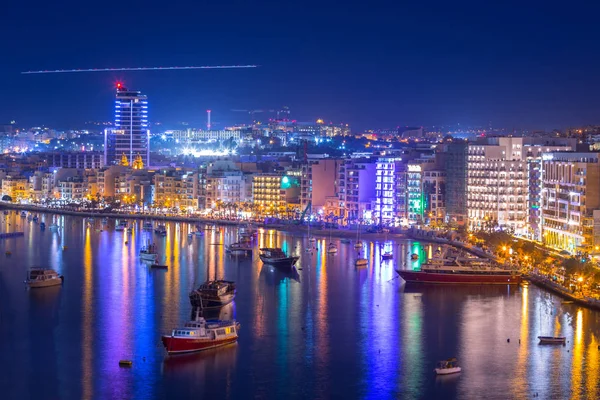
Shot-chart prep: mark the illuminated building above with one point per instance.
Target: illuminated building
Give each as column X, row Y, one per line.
column 72, row 188
column 319, row 180
column 570, row 194
column 131, row 135
column 386, row 190
column 503, row 183
column 456, row 181
column 425, row 191
column 17, row 187
column 191, row 136
column 274, row 193
column 356, row 190
column 176, row 189
column 224, row 186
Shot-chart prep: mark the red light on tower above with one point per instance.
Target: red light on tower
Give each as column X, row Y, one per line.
column 119, row 85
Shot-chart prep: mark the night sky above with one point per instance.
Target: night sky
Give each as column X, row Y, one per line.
column 371, row 64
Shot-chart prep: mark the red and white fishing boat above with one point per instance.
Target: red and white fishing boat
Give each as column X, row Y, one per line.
column 200, row 334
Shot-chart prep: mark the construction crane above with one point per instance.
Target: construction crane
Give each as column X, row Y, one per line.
column 252, row 112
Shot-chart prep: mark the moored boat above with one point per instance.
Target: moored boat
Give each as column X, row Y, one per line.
column 41, row 277
column 149, row 253
column 388, row 255
column 552, row 339
column 446, row 367
column 147, row 226
column 361, row 262
column 242, row 249
column 332, row 248
column 461, row 270
column 277, row 258
column 23, row 214
column 200, row 334
column 121, row 226
column 213, row 294
column 161, row 230
column 464, row 275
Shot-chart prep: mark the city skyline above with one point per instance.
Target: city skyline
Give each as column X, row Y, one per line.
column 379, row 67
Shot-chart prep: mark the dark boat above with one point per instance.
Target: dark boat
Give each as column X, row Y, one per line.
column 467, row 275
column 552, row 339
column 461, row 270
column 387, row 256
column 213, row 294
column 159, row 266
column 277, row 258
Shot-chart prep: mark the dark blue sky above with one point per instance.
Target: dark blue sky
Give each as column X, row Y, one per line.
column 372, row 64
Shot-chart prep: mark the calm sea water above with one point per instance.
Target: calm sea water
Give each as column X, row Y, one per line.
column 328, row 330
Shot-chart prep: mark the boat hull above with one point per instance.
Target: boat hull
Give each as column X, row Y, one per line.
column 149, row 256
column 287, row 262
column 459, row 278
column 447, row 371
column 175, row 345
column 46, row 283
column 552, row 340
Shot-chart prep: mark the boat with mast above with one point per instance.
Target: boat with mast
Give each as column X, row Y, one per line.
column 149, row 252
column 277, row 258
column 461, row 269
column 550, row 339
column 213, row 293
column 358, row 244
column 331, row 248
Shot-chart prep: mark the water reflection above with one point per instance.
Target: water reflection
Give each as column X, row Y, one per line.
column 305, row 333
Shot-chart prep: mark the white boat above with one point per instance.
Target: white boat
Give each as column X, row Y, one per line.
column 53, row 227
column 23, row 214
column 149, row 253
column 332, row 248
column 552, row 339
column 147, row 226
column 161, row 230
column 121, row 226
column 447, row 367
column 40, row 277
column 358, row 245
column 241, row 249
column 361, row 262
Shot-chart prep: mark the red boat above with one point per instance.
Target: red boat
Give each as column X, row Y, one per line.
column 490, row 277
column 200, row 334
column 466, row 270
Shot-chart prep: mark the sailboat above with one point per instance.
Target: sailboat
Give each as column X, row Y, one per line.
column 388, row 255
column 213, row 293
column 550, row 339
column 311, row 239
column 332, row 248
column 358, row 244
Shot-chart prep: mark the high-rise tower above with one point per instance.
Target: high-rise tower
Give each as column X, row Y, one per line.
column 131, row 136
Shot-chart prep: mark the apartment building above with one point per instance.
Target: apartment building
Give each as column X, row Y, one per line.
column 570, row 195
column 503, row 182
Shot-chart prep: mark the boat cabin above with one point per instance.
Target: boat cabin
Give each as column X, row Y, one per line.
column 449, row 363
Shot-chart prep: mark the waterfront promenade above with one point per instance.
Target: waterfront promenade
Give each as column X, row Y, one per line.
column 291, row 226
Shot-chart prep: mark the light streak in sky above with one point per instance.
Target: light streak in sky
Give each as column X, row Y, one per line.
column 63, row 71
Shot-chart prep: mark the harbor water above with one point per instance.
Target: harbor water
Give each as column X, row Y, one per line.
column 326, row 330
